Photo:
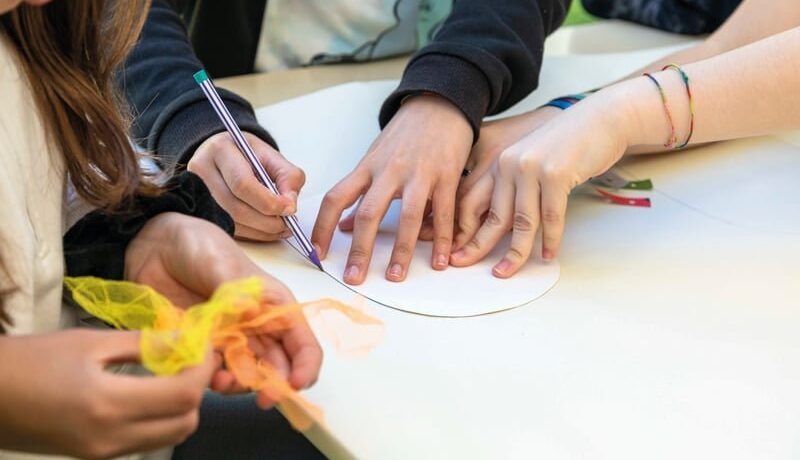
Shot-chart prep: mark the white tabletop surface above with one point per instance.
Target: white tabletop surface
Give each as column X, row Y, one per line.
column 671, row 334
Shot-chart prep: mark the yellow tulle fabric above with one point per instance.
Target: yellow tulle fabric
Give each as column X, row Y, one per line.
column 174, row 338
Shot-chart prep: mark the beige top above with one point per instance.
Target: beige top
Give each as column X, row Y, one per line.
column 32, row 215
column 32, row 180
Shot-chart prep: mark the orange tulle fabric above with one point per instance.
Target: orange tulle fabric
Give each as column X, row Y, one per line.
column 174, row 338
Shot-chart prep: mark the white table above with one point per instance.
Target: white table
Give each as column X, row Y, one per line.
column 669, row 335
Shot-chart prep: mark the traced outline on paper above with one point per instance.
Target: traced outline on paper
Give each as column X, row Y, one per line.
column 429, row 315
column 705, row 213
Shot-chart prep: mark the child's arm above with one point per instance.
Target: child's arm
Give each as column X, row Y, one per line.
column 753, row 20
column 749, row 91
column 753, row 90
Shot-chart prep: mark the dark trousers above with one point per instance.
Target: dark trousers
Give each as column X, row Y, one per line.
column 233, row 427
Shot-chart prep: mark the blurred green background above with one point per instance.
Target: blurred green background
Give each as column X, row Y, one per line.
column 578, row 15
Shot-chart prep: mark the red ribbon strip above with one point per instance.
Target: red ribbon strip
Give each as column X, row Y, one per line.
column 624, row 200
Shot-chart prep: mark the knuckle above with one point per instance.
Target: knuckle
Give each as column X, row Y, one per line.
column 551, row 217
column 217, row 142
column 197, row 165
column 516, row 254
column 240, row 184
column 522, row 222
column 552, row 173
column 357, row 254
column 189, row 399
column 507, row 161
column 399, row 163
column 473, row 244
column 402, row 250
column 467, row 226
column 529, row 165
column 442, row 241
column 493, row 218
column 411, row 212
column 237, row 209
column 366, row 213
column 550, row 242
column 98, row 412
column 332, row 198
column 444, row 214
column 188, row 426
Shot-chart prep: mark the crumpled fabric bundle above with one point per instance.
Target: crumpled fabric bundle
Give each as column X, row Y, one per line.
column 173, row 338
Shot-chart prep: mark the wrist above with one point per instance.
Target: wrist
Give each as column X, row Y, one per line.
column 159, row 235
column 642, row 111
column 637, row 112
column 432, row 111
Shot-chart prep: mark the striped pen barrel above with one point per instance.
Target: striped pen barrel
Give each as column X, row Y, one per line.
column 202, row 79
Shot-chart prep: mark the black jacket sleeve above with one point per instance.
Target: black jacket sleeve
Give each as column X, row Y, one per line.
column 485, row 58
column 96, row 245
column 172, row 116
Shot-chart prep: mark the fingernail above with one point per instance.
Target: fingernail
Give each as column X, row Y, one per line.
column 395, row 271
column 503, row 267
column 441, row 261
column 547, row 255
column 352, row 272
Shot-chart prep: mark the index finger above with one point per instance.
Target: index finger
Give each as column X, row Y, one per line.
column 365, row 229
column 339, row 198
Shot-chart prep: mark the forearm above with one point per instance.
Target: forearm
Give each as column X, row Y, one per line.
column 173, row 116
column 754, row 20
column 746, row 92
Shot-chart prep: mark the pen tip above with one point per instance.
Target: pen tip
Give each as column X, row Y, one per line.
column 315, row 259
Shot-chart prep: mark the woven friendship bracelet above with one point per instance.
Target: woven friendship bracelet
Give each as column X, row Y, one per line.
column 685, row 79
column 673, row 139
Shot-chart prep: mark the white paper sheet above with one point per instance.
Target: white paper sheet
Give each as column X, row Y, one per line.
column 670, row 335
column 455, row 292
column 326, row 134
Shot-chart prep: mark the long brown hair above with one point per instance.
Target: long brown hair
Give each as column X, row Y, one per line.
column 69, row 51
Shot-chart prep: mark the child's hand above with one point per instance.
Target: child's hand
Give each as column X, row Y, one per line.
column 58, row 398
column 229, row 177
column 418, row 158
column 528, row 184
column 186, row 259
column 496, row 136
